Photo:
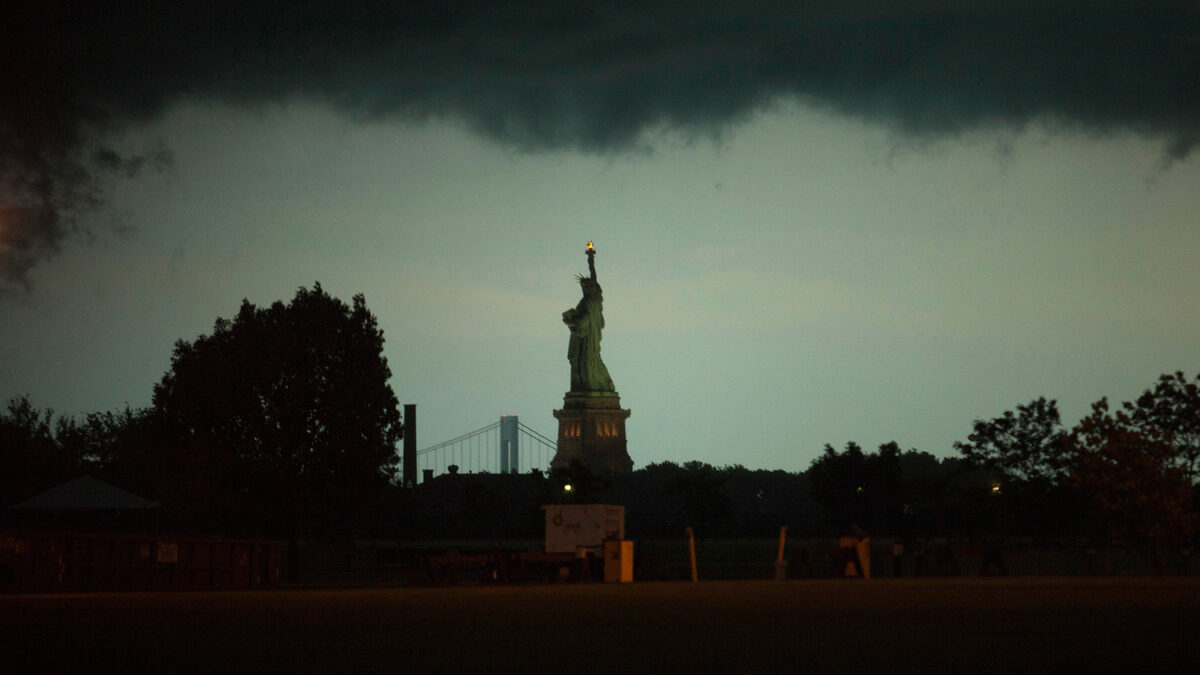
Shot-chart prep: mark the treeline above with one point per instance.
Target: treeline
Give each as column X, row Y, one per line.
column 1127, row 474
column 1123, row 475
column 281, row 423
column 887, row 492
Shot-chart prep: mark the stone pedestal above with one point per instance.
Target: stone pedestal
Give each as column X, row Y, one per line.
column 591, row 429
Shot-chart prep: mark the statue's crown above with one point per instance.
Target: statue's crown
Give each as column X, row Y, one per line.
column 589, row 284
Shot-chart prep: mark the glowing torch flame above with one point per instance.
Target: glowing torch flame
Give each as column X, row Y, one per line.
column 591, row 247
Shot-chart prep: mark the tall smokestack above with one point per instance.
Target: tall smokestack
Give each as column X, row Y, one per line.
column 410, row 444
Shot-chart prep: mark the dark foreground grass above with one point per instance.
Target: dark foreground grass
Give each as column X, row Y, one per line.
column 935, row 625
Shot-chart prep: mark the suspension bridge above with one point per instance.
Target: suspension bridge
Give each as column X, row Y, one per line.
column 504, row 446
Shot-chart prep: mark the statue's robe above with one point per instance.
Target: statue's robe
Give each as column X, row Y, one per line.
column 588, row 372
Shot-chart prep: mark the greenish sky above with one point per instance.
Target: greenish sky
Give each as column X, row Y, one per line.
column 801, row 280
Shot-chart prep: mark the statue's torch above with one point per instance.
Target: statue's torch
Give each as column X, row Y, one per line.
column 591, row 254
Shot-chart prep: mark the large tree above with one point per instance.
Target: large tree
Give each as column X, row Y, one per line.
column 1132, row 476
column 698, row 488
column 858, row 488
column 31, row 457
column 1025, row 447
column 283, row 415
column 1171, row 411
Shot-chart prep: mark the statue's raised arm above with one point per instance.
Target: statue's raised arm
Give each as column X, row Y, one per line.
column 586, row 322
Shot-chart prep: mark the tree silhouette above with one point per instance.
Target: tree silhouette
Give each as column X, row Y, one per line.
column 284, row 414
column 31, row 459
column 858, row 488
column 1171, row 410
column 1025, row 448
column 701, row 502
column 1132, row 476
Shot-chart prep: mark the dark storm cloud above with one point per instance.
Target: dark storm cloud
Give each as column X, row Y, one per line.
column 588, row 76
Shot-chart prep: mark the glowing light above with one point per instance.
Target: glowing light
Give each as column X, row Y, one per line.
column 567, row 487
column 591, row 247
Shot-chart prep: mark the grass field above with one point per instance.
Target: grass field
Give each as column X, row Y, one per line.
column 940, row 625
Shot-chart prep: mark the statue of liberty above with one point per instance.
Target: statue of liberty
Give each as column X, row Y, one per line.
column 586, row 321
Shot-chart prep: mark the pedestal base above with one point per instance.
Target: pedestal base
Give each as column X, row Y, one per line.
column 591, row 431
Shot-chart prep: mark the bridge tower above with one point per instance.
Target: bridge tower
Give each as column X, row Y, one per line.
column 508, row 444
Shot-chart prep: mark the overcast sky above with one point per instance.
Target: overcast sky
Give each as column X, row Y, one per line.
column 815, row 226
